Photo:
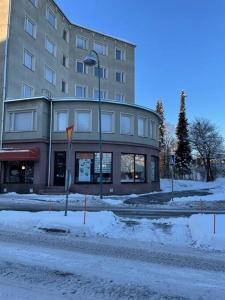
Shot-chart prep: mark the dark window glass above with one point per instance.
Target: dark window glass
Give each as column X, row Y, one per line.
column 19, row 172
column 63, row 86
column 133, row 168
column 65, row 35
column 87, row 167
column 154, row 168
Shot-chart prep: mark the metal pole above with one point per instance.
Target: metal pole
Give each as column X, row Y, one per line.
column 50, row 145
column 68, row 174
column 100, row 128
column 172, row 180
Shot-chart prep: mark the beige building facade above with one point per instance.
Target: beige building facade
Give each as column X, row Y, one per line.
column 46, row 87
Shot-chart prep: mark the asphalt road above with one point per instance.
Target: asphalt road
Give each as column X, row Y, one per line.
column 50, row 266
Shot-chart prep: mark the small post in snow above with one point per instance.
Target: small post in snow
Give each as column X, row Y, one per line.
column 85, row 208
column 172, row 159
column 214, row 223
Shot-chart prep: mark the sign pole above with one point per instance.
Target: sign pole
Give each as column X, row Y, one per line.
column 172, row 163
column 69, row 131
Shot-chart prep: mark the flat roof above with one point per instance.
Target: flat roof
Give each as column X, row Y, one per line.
column 89, row 29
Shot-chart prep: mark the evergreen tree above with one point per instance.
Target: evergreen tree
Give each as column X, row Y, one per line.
column 163, row 155
column 160, row 111
column 183, row 152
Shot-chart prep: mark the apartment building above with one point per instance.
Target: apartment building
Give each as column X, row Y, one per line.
column 45, row 87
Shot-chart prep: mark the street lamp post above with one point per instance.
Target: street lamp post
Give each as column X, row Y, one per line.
column 90, row 60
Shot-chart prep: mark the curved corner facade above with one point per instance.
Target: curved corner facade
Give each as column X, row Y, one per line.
column 48, row 88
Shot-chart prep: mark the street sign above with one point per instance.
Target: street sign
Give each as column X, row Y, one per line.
column 172, row 159
column 69, row 131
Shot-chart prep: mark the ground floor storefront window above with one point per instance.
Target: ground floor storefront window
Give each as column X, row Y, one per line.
column 87, row 167
column 19, row 172
column 133, row 168
column 154, row 168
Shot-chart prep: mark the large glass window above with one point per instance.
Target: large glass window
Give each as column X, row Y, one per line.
column 27, row 91
column 154, row 168
column 19, row 172
column 28, row 60
column 103, row 94
column 120, row 54
column 60, row 120
column 87, row 167
column 126, row 124
column 142, row 127
column 22, row 121
column 153, row 130
column 51, row 17
column 83, row 121
column 133, row 168
column 120, row 77
column 80, row 91
column 81, row 42
column 50, row 46
column 81, row 67
column 102, row 72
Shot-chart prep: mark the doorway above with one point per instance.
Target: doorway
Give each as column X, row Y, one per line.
column 60, row 168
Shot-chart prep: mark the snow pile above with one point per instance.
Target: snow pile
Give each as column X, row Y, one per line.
column 196, row 230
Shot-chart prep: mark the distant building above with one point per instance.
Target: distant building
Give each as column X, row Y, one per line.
column 45, row 87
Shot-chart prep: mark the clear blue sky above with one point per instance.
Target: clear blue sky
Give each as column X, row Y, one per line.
column 180, row 45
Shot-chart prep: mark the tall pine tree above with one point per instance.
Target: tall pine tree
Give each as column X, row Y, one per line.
column 183, row 152
column 163, row 157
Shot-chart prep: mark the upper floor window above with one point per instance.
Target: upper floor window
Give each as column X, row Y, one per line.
column 142, row 126
column 103, row 94
column 51, row 17
column 60, row 120
column 28, row 60
column 154, row 168
column 107, row 124
column 30, row 27
column 50, row 46
column 50, row 75
column 81, row 42
column 34, row 2
column 83, row 120
column 120, row 77
column 22, row 121
column 66, row 35
column 153, row 133
column 120, row 54
column 102, row 72
column 80, row 91
column 64, row 88
column 81, row 67
column 27, row 90
column 126, row 124
column 100, row 48
column 119, row 97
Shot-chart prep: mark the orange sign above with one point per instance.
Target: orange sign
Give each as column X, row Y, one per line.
column 69, row 132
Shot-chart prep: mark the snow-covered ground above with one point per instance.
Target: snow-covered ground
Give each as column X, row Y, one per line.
column 196, row 231
column 217, row 188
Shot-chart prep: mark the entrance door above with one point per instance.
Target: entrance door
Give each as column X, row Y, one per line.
column 60, row 168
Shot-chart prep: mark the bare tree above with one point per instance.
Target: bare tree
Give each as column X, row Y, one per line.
column 169, row 147
column 207, row 142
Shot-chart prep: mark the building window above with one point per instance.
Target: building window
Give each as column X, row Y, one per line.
column 142, row 127
column 153, row 130
column 30, row 27
column 103, row 94
column 27, row 91
column 81, row 67
column 154, row 168
column 60, row 120
column 83, row 121
column 107, row 122
column 120, row 54
column 65, row 61
column 19, row 172
column 50, row 75
column 87, row 167
column 120, row 77
column 80, row 91
column 64, row 88
column 66, row 35
column 50, row 46
column 81, row 42
column 100, row 48
column 133, row 168
column 51, row 17
column 100, row 71
column 126, row 124
column 28, row 60
column 22, row 121
column 34, row 2
column 119, row 97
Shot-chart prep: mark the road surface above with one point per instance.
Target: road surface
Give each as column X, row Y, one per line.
column 62, row 266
